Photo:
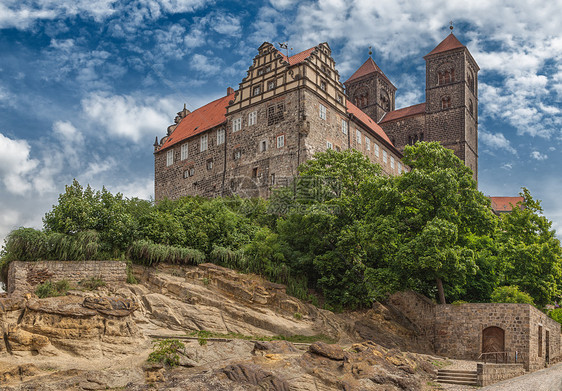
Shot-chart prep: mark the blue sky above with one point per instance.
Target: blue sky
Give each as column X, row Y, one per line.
column 86, row 85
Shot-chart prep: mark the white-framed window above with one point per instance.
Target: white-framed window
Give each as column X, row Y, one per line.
column 368, row 143
column 329, row 145
column 263, row 145
column 377, row 150
column 210, row 164
column 170, row 158
column 399, row 168
column 358, row 136
column 322, row 112
column 344, row 126
column 270, row 85
column 204, row 141
column 184, row 151
column 322, row 85
column 189, row 172
column 236, row 124
column 392, row 162
column 256, row 90
column 281, row 141
column 384, row 156
column 252, row 117
column 237, row 154
column 220, row 136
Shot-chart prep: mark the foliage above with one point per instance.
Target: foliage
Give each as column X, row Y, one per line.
column 556, row 314
column 205, row 335
column 148, row 253
column 92, row 283
column 166, row 352
column 510, row 294
column 52, row 289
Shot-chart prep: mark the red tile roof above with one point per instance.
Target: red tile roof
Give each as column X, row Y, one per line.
column 204, row 118
column 367, row 68
column 504, row 204
column 361, row 116
column 449, row 43
column 404, row 112
column 299, row 57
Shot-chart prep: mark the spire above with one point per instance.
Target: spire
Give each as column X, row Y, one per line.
column 449, row 43
column 367, row 68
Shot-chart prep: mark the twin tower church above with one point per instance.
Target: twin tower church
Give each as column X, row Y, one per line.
column 287, row 108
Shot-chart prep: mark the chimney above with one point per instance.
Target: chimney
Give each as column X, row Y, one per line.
column 229, row 91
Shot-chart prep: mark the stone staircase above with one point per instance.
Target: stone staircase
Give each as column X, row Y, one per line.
column 451, row 376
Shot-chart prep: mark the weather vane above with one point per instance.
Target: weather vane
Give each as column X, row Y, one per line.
column 285, row 45
column 370, row 52
column 451, row 26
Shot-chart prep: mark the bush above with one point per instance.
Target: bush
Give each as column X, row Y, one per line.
column 556, row 314
column 166, row 352
column 510, row 294
column 92, row 283
column 147, row 253
column 50, row 289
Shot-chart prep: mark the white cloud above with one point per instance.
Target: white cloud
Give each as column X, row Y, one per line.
column 496, row 141
column 204, row 64
column 16, row 165
column 538, row 156
column 124, row 116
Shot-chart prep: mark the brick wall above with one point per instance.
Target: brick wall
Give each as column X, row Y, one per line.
column 492, row 373
column 25, row 276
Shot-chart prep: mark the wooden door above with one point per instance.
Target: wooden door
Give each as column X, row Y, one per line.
column 493, row 340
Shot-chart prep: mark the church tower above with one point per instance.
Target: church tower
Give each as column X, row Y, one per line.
column 451, row 92
column 370, row 90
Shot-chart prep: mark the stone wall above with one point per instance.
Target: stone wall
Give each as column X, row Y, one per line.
column 492, row 373
column 25, row 276
column 418, row 309
column 550, row 329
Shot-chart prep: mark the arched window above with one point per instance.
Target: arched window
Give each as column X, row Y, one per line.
column 470, row 81
column 470, row 107
column 446, row 74
column 446, row 102
column 385, row 101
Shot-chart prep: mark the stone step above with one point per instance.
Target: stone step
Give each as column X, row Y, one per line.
column 448, row 375
column 471, row 379
column 459, row 382
column 454, row 371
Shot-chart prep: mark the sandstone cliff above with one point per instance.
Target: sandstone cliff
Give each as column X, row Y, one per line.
column 102, row 339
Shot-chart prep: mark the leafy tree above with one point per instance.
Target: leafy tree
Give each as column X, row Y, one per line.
column 531, row 251
column 510, row 294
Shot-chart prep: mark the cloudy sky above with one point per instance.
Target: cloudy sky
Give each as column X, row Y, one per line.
column 86, row 85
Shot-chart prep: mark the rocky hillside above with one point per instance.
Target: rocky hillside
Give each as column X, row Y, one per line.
column 101, row 339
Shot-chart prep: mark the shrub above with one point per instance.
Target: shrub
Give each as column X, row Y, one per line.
column 50, row 289
column 147, row 253
column 510, row 294
column 556, row 314
column 166, row 352
column 92, row 283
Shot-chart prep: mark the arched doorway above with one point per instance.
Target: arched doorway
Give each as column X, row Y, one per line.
column 493, row 341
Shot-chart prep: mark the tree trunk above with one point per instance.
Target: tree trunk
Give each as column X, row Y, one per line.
column 441, row 291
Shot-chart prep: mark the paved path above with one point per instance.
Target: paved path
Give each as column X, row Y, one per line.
column 549, row 379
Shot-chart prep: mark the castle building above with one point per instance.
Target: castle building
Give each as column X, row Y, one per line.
column 288, row 108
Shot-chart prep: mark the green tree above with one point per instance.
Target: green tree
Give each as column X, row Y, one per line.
column 510, row 294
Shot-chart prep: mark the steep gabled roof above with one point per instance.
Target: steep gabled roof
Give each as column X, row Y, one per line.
column 361, row 116
column 449, row 43
column 403, row 112
column 367, row 68
column 200, row 120
column 505, row 204
column 299, row 57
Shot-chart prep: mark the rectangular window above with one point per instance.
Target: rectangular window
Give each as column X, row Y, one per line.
column 236, row 124
column 323, row 112
column 392, row 162
column 344, row 126
column 270, row 85
column 358, row 136
column 384, row 156
column 204, row 140
column 399, row 168
column 368, row 143
column 329, row 145
column 339, row 98
column 184, row 151
column 220, row 136
column 210, row 164
column 323, row 85
column 252, row 117
column 256, row 90
column 275, row 114
column 377, row 150
column 170, row 158
column 281, row 141
column 237, row 154
column 263, row 146
column 540, row 341
column 273, row 179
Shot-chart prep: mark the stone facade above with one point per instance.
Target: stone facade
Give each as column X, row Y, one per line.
column 459, row 330
column 285, row 110
column 25, row 276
